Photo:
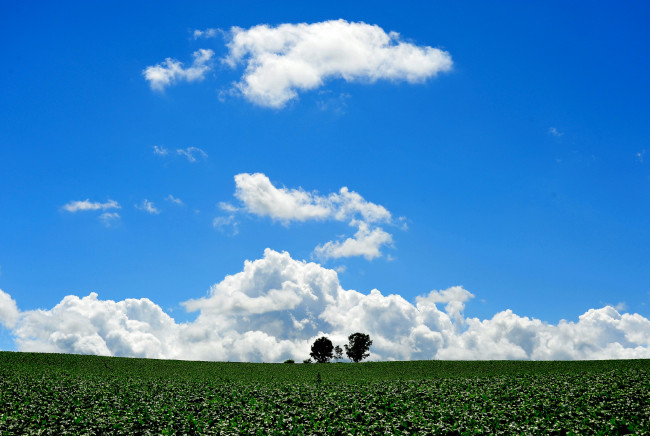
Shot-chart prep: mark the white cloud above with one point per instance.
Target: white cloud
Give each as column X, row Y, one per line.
column 171, row 71
column 174, row 200
column 640, row 156
column 8, row 310
column 277, row 306
column 226, row 224
column 366, row 243
column 160, row 151
column 148, row 207
column 85, row 205
column 454, row 297
column 109, row 217
column 281, row 61
column 192, row 153
column 335, row 103
column 260, row 197
column 553, row 131
column 227, row 207
column 621, row 306
column 88, row 325
column 599, row 334
column 207, row 33
column 347, row 204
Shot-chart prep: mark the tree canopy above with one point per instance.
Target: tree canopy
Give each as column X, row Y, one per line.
column 358, row 346
column 322, row 350
column 338, row 353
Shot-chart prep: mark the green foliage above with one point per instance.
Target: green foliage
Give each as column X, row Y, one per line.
column 289, row 361
column 57, row 394
column 322, row 350
column 357, row 349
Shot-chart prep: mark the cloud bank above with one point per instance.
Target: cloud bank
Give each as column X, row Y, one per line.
column 287, row 59
column 277, row 306
column 258, row 196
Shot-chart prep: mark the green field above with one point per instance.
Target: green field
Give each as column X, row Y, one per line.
column 58, row 394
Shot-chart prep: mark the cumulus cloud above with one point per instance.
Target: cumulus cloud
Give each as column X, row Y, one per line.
column 454, row 299
column 281, row 61
column 599, row 334
column 366, row 243
column 171, row 71
column 277, row 306
column 148, row 206
column 8, row 310
column 287, row 59
column 87, row 325
column 260, row 197
column 85, row 205
column 192, row 153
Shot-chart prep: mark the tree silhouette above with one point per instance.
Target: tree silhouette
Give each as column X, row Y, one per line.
column 357, row 349
column 322, row 350
column 338, row 353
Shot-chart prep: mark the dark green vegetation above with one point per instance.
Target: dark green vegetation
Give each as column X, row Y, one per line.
column 58, row 394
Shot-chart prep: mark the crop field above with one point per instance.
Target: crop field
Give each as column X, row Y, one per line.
column 69, row 394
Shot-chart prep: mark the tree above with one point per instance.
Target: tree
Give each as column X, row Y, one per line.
column 322, row 349
column 357, row 349
column 338, row 353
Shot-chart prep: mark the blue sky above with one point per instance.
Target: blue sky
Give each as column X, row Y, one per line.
column 495, row 150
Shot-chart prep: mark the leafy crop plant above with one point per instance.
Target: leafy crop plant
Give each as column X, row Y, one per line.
column 67, row 394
